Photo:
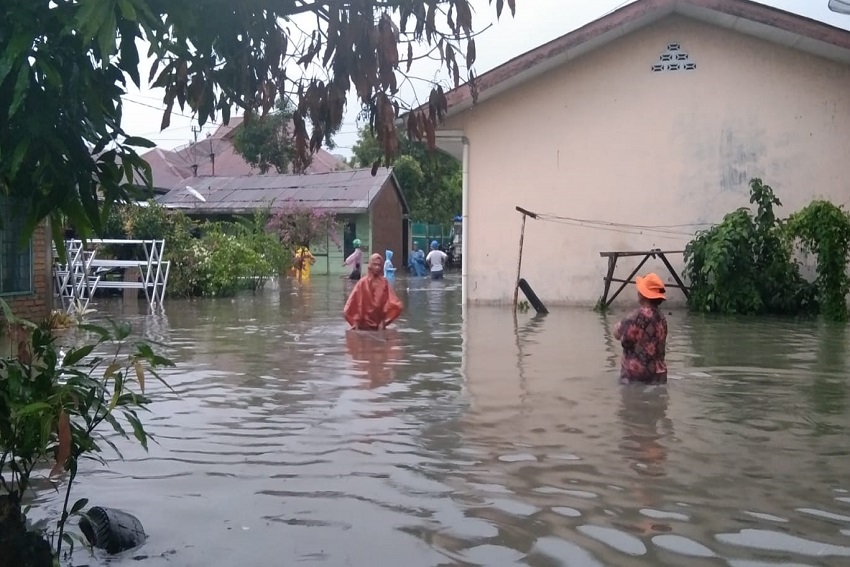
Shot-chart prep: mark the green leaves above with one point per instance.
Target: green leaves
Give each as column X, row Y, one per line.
column 265, row 141
column 431, row 181
column 33, row 408
column 64, row 67
column 745, row 264
column 61, row 81
column 79, row 505
column 52, row 412
column 96, row 20
column 138, row 429
column 823, row 229
column 76, row 355
column 140, row 142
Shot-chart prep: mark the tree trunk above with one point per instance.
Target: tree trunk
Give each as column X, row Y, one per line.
column 18, row 547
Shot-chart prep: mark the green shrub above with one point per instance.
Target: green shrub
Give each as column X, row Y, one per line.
column 823, row 229
column 53, row 406
column 210, row 259
column 746, row 265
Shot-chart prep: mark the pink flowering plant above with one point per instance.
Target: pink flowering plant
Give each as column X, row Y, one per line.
column 297, row 225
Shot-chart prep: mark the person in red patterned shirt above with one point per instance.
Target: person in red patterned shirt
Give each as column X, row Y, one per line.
column 643, row 334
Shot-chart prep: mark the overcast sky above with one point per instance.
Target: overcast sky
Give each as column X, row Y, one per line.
column 536, row 22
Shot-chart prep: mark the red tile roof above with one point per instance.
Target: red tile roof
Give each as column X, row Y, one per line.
column 216, row 156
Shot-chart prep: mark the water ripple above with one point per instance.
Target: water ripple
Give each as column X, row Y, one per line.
column 471, row 438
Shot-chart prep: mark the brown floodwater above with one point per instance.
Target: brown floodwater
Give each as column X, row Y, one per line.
column 474, row 439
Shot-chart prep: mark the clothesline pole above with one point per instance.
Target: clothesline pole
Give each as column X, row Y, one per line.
column 525, row 214
column 519, row 262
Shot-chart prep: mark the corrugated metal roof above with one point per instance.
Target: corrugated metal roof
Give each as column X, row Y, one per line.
column 349, row 191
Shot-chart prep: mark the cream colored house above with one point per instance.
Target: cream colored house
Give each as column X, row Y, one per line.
column 638, row 129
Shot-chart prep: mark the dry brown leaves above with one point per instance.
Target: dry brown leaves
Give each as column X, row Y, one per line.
column 357, row 48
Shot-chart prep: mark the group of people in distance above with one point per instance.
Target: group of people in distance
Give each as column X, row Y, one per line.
column 372, row 305
column 419, row 262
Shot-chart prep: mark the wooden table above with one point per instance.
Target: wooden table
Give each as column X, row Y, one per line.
column 647, row 254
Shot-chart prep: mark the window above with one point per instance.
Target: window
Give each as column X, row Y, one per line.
column 15, row 259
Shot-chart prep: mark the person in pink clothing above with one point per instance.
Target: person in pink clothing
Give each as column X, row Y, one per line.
column 643, row 334
column 355, row 260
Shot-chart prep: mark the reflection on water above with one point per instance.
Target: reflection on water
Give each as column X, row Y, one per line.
column 480, row 439
column 374, row 353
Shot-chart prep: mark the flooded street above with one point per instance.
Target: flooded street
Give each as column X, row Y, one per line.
column 477, row 441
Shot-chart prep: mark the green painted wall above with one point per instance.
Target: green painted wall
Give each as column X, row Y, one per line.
column 329, row 257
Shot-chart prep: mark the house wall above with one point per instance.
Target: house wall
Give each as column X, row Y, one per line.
column 330, row 263
column 387, row 218
column 603, row 138
column 36, row 305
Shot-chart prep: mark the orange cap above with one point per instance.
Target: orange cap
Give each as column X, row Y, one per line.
column 650, row 286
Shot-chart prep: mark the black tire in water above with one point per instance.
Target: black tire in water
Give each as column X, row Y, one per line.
column 532, row 297
column 112, row 530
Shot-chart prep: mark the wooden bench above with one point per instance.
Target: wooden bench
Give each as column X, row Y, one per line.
column 647, row 254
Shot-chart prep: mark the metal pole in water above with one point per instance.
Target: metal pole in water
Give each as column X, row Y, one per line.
column 525, row 213
column 519, row 261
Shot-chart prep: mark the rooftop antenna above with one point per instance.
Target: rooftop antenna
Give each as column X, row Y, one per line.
column 212, row 155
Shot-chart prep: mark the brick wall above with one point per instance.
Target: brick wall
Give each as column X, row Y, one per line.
column 37, row 305
column 387, row 219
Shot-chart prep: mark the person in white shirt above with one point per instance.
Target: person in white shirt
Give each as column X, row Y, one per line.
column 436, row 258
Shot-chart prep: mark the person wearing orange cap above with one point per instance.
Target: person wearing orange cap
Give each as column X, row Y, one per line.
column 643, row 334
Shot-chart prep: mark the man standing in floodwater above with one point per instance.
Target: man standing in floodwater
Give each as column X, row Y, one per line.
column 436, row 258
column 372, row 304
column 643, row 334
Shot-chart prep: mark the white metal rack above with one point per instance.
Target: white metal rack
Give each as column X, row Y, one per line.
column 77, row 281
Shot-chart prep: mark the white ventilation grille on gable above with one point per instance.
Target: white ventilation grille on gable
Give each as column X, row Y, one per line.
column 673, row 59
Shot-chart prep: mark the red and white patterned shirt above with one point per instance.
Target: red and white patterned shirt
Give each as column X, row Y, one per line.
column 644, row 338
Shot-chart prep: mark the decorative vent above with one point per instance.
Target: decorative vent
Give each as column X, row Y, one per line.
column 674, row 59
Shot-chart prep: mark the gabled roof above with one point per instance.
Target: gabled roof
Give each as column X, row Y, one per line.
column 171, row 167
column 743, row 16
column 345, row 192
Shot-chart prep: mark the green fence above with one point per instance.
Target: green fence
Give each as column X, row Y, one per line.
column 422, row 234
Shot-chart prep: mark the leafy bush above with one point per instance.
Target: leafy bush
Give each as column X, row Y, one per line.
column 223, row 268
column 51, row 406
column 210, row 259
column 744, row 264
column 823, row 229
